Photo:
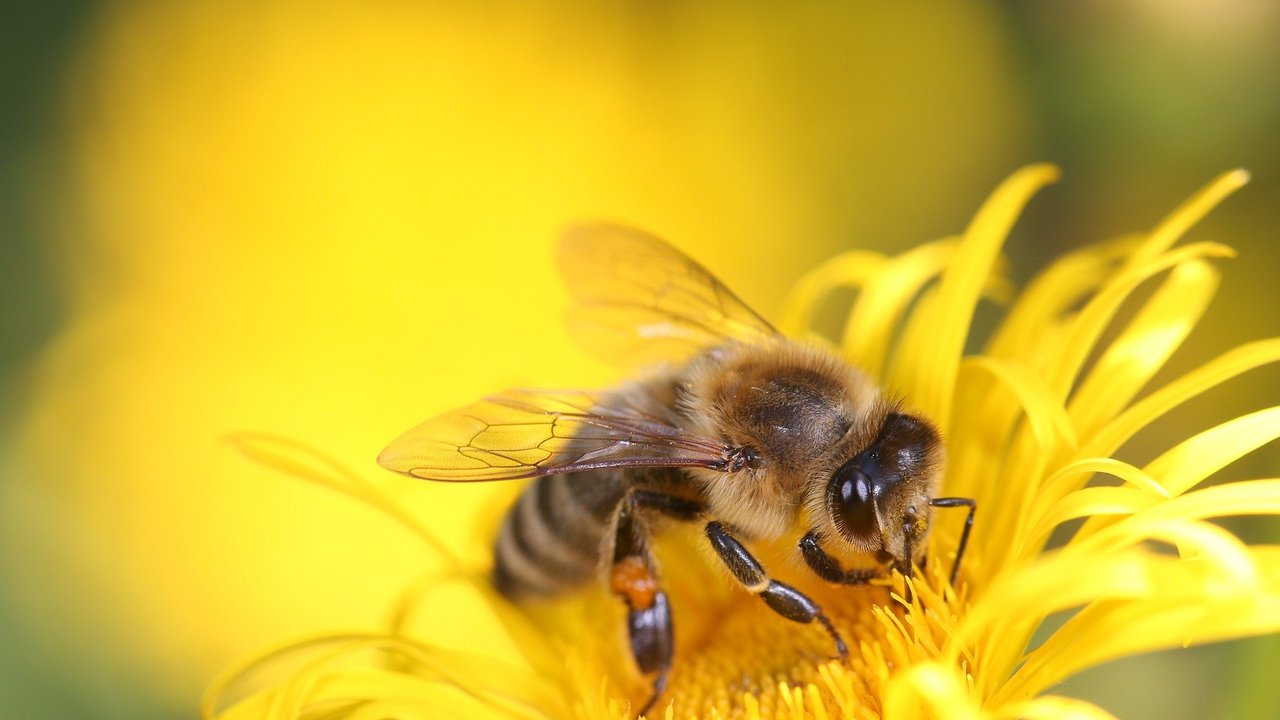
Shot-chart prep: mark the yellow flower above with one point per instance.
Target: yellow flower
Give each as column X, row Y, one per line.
column 1033, row 422
column 308, row 226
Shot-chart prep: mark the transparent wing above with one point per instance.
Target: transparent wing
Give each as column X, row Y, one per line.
column 637, row 300
column 527, row 433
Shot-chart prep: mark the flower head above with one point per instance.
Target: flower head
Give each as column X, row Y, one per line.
column 1033, row 421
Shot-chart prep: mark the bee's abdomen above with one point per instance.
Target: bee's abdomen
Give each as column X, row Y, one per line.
column 552, row 539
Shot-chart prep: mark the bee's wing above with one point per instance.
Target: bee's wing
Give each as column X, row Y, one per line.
column 525, row 433
column 637, row 300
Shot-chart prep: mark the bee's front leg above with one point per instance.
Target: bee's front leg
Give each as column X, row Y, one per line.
column 827, row 567
column 634, row 579
column 780, row 597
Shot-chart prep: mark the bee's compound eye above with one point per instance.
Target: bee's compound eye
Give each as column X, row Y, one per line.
column 851, row 502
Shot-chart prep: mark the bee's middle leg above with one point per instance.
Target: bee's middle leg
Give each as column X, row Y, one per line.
column 780, row 597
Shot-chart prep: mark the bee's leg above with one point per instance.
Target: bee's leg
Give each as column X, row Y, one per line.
column 634, row 579
column 970, row 503
column 827, row 567
column 783, row 599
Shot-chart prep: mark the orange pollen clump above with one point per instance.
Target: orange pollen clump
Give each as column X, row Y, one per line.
column 632, row 579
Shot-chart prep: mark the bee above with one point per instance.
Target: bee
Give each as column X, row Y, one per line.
column 736, row 427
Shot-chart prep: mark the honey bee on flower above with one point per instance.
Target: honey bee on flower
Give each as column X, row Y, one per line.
column 1028, row 420
column 750, row 434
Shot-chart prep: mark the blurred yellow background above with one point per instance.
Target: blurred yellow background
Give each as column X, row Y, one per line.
column 333, row 220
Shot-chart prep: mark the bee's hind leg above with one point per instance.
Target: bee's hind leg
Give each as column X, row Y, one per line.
column 634, row 579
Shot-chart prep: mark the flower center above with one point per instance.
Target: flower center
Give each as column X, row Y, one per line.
column 736, row 658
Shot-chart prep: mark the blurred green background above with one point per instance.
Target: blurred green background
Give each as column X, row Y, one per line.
column 371, row 164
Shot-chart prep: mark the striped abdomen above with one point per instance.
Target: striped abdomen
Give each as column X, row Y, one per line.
column 552, row 539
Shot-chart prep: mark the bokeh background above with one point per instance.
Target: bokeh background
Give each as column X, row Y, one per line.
column 332, row 220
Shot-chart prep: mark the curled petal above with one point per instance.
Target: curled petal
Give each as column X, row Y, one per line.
column 1230, row 364
column 851, row 269
column 1090, row 502
column 1251, row 497
column 1191, row 461
column 1001, row 621
column 1049, row 423
column 873, row 322
column 1191, row 211
column 1075, row 474
column 1144, row 345
column 1052, row 294
column 1097, row 314
column 456, row 683
column 1187, row 605
column 930, row 379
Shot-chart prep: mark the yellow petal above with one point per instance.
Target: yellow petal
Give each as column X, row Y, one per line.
column 872, row 324
column 1001, row 621
column 1053, row 292
column 1097, row 314
column 1049, row 425
column 1230, row 364
column 1048, row 421
column 1190, row 212
column 1033, row 334
column 1176, row 613
column 1250, row 497
column 1088, row 502
column 1074, row 475
column 929, row 690
column 1225, row 556
column 1246, row 497
column 1065, row 481
column 1144, row 345
column 930, row 378
column 1053, row 707
column 512, row 631
column 1195, row 459
column 848, row 270
column 452, row 681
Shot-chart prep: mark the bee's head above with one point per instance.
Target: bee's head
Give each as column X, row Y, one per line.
column 879, row 498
